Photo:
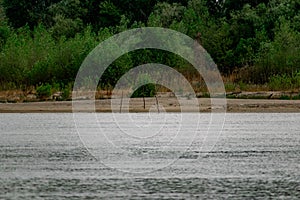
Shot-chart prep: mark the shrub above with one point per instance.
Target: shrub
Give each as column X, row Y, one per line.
column 66, row 92
column 146, row 87
column 230, row 87
column 284, row 82
column 147, row 90
column 44, row 91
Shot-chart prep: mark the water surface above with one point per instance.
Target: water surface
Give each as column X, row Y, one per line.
column 42, row 156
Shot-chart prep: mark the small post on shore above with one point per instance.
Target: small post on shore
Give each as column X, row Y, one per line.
column 121, row 103
column 157, row 104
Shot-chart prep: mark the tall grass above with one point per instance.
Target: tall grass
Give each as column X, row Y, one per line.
column 35, row 57
column 285, row 82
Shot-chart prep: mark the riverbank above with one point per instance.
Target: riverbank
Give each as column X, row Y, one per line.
column 168, row 104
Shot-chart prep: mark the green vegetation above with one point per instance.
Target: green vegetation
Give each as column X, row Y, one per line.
column 44, row 91
column 146, row 88
column 43, row 43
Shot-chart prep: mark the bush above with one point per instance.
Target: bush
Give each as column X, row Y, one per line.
column 230, row 87
column 146, row 87
column 284, row 82
column 66, row 92
column 148, row 90
column 44, row 91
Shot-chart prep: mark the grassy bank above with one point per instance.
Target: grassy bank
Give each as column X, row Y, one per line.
column 255, row 44
column 47, row 92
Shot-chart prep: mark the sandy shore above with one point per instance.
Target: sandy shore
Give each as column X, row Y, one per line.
column 166, row 104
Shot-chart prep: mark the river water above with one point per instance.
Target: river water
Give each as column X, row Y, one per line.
column 49, row 156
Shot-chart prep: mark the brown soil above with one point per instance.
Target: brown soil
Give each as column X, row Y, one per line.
column 169, row 104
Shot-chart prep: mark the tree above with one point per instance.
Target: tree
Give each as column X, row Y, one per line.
column 2, row 12
column 67, row 18
column 167, row 13
column 229, row 6
column 31, row 12
column 110, row 14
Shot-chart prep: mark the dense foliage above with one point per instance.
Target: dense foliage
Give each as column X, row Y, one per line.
column 45, row 41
